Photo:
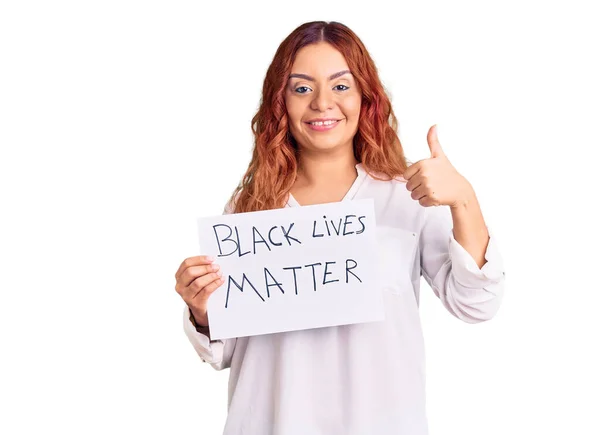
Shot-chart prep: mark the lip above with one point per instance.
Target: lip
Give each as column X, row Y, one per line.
column 323, row 127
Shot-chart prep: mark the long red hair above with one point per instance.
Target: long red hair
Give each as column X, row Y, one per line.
column 273, row 168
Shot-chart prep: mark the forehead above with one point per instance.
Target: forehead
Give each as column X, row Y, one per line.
column 319, row 60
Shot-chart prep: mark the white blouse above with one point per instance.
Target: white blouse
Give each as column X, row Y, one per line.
column 366, row 378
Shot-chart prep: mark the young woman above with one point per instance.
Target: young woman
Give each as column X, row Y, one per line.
column 325, row 132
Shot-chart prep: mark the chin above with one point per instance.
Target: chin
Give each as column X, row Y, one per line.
column 325, row 145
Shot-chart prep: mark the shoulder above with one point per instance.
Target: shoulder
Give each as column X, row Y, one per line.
column 230, row 206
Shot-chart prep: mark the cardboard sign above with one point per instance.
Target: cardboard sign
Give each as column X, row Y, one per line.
column 293, row 268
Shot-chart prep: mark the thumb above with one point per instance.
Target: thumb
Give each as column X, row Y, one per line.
column 434, row 143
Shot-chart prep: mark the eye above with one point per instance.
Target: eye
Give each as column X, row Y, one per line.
column 343, row 86
column 301, row 87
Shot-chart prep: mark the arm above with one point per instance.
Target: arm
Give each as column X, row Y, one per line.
column 469, row 229
column 469, row 292
column 217, row 353
column 200, row 328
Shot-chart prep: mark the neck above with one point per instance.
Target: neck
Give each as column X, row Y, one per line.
column 316, row 170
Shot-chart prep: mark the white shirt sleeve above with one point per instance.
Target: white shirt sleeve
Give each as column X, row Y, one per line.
column 217, row 353
column 470, row 293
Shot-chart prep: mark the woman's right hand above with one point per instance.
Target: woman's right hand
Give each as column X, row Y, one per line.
column 196, row 279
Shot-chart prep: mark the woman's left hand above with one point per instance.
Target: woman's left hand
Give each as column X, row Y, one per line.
column 434, row 181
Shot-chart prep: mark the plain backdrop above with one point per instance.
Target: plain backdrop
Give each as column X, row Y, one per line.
column 121, row 122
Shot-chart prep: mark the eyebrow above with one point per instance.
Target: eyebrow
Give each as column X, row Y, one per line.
column 309, row 78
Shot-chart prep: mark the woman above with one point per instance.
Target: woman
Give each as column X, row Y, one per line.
column 326, row 132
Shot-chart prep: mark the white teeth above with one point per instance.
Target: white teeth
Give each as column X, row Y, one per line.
column 323, row 123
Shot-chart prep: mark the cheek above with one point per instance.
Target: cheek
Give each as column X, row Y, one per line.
column 294, row 111
column 352, row 107
column 294, row 120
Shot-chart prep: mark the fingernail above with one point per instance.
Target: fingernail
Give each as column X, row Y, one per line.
column 216, row 267
column 219, row 273
column 209, row 258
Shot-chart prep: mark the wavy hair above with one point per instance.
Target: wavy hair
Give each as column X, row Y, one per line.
column 273, row 168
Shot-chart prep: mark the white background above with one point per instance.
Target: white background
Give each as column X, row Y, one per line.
column 123, row 121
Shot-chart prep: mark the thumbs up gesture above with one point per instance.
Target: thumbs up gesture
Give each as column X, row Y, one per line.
column 434, row 181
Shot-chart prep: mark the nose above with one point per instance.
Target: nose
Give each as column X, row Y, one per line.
column 322, row 101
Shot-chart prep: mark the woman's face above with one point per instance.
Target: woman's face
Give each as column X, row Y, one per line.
column 322, row 99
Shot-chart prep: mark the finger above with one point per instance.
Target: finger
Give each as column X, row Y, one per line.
column 414, row 182
column 434, row 144
column 193, row 261
column 199, row 283
column 191, row 273
column 210, row 288
column 419, row 193
column 412, row 170
column 426, row 201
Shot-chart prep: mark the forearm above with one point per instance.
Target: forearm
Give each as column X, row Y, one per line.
column 469, row 228
column 203, row 329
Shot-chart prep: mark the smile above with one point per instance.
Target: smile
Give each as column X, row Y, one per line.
column 323, row 125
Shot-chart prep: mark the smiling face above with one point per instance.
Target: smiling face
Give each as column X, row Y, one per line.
column 322, row 99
